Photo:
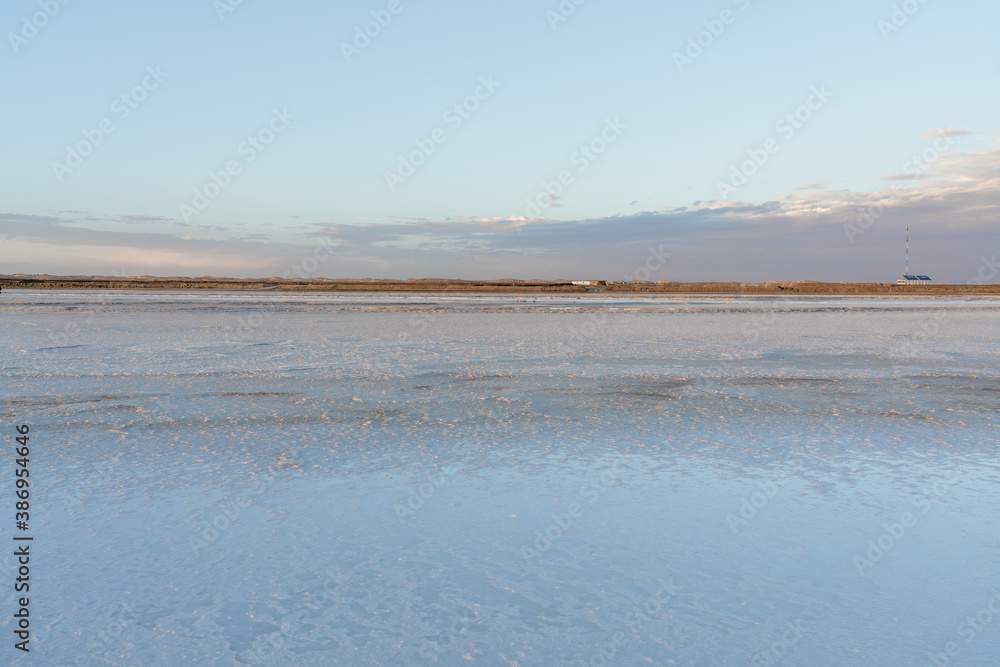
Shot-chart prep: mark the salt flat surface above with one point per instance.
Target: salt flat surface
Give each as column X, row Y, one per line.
column 238, row 479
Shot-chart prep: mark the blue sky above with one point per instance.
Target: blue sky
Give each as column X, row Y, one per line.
column 892, row 85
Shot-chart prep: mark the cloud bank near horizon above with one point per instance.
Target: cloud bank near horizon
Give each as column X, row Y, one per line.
column 951, row 202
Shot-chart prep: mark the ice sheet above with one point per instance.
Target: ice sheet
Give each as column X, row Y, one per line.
column 237, row 479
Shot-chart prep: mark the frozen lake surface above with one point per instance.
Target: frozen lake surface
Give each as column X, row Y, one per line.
column 286, row 479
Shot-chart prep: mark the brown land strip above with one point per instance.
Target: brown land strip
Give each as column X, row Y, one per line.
column 481, row 286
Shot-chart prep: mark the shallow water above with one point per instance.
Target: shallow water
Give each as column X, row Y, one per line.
column 241, row 479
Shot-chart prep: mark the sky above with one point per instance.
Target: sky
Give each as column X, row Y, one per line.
column 727, row 140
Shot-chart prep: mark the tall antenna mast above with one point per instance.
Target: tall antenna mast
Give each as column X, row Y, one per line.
column 907, row 250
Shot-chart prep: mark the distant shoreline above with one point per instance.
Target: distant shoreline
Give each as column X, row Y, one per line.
column 20, row 282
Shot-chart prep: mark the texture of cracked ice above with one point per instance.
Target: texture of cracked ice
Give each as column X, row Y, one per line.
column 231, row 479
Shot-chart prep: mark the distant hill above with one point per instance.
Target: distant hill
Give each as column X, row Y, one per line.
column 45, row 281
